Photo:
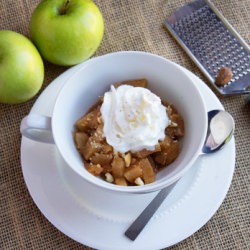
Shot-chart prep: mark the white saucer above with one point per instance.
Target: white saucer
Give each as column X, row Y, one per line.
column 97, row 218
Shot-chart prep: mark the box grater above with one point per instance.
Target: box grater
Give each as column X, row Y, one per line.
column 212, row 43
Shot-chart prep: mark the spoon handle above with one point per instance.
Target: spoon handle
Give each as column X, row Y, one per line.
column 141, row 221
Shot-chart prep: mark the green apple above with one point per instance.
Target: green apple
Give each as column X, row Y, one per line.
column 66, row 32
column 21, row 68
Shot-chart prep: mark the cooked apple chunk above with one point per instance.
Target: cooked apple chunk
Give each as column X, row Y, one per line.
column 121, row 181
column 118, row 166
column 143, row 83
column 94, row 169
column 80, row 139
column 89, row 121
column 102, row 159
column 133, row 172
column 148, row 172
column 167, row 155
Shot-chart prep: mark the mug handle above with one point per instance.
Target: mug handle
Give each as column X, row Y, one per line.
column 37, row 127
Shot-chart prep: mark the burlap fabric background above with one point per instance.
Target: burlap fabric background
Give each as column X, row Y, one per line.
column 129, row 25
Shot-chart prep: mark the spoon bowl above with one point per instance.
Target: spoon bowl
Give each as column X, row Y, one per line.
column 220, row 130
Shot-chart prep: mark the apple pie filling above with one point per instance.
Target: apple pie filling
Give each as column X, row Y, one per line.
column 129, row 134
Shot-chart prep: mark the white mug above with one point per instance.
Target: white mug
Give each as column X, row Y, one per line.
column 93, row 79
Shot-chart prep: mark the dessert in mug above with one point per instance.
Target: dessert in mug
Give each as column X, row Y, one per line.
column 129, row 134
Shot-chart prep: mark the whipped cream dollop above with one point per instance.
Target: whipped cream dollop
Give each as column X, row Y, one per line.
column 134, row 118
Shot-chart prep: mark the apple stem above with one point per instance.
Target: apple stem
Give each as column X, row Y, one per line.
column 64, row 8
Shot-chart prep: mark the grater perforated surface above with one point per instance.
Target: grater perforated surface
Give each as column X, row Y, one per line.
column 212, row 43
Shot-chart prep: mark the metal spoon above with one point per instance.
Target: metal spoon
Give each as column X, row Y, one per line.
column 219, row 132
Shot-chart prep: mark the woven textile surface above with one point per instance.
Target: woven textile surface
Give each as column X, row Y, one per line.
column 129, row 25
